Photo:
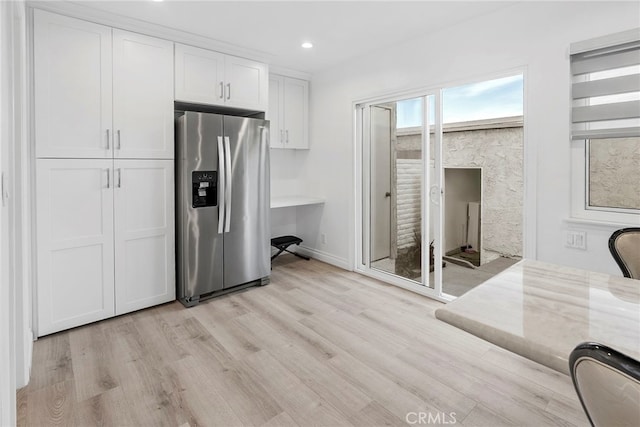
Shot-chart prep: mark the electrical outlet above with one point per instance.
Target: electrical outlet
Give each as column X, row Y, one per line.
column 575, row 239
column 323, row 238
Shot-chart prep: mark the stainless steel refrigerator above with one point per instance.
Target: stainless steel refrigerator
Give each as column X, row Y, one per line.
column 222, row 205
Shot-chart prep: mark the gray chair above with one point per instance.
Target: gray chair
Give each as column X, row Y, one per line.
column 624, row 245
column 608, row 385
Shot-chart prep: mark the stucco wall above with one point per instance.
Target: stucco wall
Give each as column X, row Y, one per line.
column 613, row 164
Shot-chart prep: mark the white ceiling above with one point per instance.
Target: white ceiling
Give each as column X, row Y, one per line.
column 339, row 30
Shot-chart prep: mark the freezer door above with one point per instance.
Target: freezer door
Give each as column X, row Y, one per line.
column 198, row 205
column 246, row 244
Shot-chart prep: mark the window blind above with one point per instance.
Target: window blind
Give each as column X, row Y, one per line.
column 605, row 89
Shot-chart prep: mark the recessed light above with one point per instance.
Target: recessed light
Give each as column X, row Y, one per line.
column 307, row 45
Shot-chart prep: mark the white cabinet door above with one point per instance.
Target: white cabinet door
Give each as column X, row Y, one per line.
column 199, row 75
column 74, row 242
column 72, row 82
column 275, row 113
column 142, row 96
column 144, row 233
column 296, row 113
column 246, row 84
column 207, row 77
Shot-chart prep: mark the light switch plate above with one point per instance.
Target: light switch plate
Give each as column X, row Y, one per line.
column 576, row 239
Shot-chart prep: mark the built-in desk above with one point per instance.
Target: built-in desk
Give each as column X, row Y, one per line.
column 289, row 201
column 542, row 311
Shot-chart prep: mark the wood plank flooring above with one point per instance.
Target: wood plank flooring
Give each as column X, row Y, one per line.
column 318, row 346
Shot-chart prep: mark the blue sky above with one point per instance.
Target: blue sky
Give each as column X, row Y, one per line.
column 489, row 99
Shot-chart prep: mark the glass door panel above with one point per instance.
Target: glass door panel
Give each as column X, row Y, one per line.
column 395, row 196
column 482, row 165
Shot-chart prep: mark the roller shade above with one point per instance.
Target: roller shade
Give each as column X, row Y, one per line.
column 606, row 89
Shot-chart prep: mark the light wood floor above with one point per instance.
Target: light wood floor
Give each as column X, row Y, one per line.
column 318, row 346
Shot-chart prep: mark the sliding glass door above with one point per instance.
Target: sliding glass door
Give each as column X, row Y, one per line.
column 441, row 186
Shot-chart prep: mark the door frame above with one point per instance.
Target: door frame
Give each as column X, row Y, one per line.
column 361, row 186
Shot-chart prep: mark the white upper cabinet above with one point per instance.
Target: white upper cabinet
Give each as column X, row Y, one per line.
column 199, row 75
column 100, row 92
column 207, row 77
column 275, row 113
column 289, row 112
column 142, row 96
column 296, row 113
column 73, row 81
column 247, row 83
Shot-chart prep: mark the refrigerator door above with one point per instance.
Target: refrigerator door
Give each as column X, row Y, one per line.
column 200, row 194
column 246, row 244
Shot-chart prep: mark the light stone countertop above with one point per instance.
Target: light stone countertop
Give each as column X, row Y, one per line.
column 543, row 311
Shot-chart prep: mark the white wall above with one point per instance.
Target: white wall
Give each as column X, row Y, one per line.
column 529, row 34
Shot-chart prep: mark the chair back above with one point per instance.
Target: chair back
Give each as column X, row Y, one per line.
column 607, row 383
column 624, row 245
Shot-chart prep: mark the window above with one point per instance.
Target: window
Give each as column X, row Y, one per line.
column 605, row 128
column 489, row 99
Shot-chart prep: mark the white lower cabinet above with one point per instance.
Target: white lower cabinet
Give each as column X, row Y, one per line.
column 144, row 234
column 75, row 243
column 105, row 239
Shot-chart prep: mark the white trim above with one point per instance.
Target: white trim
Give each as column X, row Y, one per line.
column 602, row 225
column 325, row 257
column 354, row 208
column 22, row 152
column 605, row 41
column 404, row 284
column 288, row 72
column 425, row 199
column 81, row 11
column 31, row 170
column 530, row 179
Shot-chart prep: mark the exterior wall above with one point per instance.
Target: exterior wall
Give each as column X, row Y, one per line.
column 613, row 164
column 499, row 152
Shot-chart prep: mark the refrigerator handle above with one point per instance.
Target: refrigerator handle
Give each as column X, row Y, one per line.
column 221, row 195
column 227, row 168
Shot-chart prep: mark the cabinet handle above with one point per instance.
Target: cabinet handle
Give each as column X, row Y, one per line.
column 119, row 142
column 119, row 178
column 281, row 136
column 287, row 133
column 221, row 90
column 228, row 90
column 108, row 139
column 108, row 178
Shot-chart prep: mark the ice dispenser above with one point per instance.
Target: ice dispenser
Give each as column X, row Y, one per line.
column 205, row 188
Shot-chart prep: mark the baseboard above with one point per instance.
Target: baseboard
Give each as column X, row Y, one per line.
column 325, row 257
